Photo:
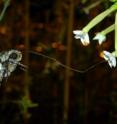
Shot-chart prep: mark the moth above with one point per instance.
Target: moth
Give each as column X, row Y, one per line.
column 10, row 59
column 8, row 62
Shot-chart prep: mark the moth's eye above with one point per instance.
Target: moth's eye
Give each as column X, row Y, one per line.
column 13, row 56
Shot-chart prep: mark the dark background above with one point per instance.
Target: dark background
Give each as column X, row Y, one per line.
column 42, row 26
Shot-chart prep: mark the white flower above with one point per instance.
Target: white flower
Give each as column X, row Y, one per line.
column 110, row 58
column 100, row 37
column 83, row 36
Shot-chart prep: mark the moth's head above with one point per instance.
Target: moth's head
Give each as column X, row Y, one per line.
column 15, row 55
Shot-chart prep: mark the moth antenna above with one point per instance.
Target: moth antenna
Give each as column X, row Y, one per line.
column 67, row 67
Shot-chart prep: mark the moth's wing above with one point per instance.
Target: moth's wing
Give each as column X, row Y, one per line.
column 3, row 56
column 1, row 76
column 11, row 67
column 1, row 79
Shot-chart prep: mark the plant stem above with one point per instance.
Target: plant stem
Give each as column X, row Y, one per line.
column 6, row 4
column 108, row 29
column 68, row 62
column 116, row 32
column 99, row 18
column 95, row 4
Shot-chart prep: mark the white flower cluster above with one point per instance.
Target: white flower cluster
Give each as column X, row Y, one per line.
column 101, row 36
column 84, row 37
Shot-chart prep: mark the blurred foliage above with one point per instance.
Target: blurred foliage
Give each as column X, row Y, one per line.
column 6, row 3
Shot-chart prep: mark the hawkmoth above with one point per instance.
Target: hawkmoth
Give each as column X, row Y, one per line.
column 10, row 59
column 8, row 62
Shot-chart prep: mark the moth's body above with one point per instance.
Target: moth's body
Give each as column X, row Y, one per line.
column 8, row 62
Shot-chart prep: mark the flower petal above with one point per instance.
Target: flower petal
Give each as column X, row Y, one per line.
column 83, row 36
column 110, row 58
column 100, row 37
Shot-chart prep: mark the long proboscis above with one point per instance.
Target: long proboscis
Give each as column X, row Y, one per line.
column 65, row 66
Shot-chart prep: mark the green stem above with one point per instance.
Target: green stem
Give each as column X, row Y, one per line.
column 115, row 52
column 88, row 8
column 108, row 29
column 116, row 32
column 99, row 18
